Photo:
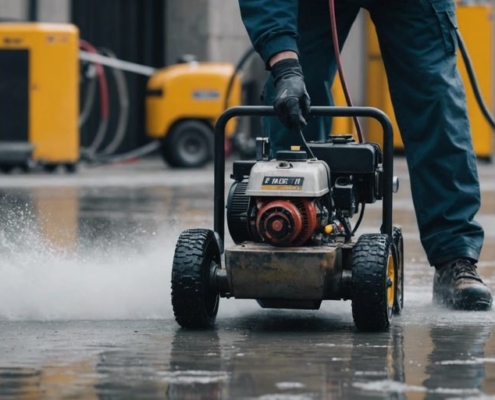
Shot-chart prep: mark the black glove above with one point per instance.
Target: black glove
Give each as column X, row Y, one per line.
column 292, row 100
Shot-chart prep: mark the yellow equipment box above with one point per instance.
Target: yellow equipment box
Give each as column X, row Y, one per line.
column 183, row 103
column 39, row 78
column 475, row 25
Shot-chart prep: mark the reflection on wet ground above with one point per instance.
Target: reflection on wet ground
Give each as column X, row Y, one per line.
column 85, row 305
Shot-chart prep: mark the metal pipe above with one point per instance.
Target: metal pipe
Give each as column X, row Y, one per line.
column 267, row 111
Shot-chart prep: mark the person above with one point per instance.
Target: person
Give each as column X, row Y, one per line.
column 418, row 44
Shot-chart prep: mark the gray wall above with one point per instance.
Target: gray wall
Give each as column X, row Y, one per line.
column 227, row 38
column 16, row 9
column 48, row 10
column 186, row 26
column 54, row 10
column 353, row 61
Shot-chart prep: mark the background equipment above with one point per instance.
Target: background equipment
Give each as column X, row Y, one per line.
column 39, row 102
column 475, row 21
column 183, row 102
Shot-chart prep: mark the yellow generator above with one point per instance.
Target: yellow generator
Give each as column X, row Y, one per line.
column 39, row 73
column 183, row 102
column 475, row 24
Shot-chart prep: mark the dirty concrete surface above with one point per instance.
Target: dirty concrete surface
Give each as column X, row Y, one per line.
column 85, row 304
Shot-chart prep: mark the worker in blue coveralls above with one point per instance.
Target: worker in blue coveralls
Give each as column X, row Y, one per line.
column 418, row 44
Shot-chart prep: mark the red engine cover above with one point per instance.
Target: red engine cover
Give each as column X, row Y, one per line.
column 288, row 222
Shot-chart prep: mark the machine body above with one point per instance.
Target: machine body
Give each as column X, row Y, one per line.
column 290, row 220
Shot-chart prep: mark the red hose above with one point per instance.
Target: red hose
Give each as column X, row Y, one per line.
column 335, row 39
column 102, row 80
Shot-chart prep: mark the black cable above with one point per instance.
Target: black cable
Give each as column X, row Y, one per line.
column 474, row 82
column 306, row 144
column 360, row 219
column 244, row 59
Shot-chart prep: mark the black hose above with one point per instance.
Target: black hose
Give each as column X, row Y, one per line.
column 360, row 219
column 474, row 82
column 240, row 65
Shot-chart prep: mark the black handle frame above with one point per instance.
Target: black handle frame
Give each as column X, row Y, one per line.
column 330, row 111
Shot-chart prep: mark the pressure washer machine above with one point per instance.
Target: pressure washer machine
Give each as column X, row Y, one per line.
column 290, row 220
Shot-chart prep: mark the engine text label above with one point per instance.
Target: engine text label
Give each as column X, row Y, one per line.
column 282, row 183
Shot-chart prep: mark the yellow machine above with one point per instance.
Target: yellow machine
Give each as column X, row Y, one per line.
column 183, row 103
column 39, row 75
column 475, row 24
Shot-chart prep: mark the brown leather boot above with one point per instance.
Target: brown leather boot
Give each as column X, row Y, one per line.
column 457, row 285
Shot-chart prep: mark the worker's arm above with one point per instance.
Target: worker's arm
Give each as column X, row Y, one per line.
column 271, row 25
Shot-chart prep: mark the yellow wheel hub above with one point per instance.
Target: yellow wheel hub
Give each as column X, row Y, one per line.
column 391, row 281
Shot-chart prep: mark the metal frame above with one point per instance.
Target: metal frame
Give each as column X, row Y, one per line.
column 267, row 111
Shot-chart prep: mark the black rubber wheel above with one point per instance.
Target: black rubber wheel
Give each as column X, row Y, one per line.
column 373, row 282
column 194, row 299
column 398, row 254
column 51, row 168
column 6, row 168
column 71, row 168
column 189, row 144
column 26, row 167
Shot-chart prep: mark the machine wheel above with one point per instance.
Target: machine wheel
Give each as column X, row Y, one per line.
column 373, row 282
column 194, row 299
column 398, row 254
column 51, row 168
column 71, row 168
column 6, row 168
column 189, row 144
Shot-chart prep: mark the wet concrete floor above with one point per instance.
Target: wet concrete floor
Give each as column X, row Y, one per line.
column 85, row 305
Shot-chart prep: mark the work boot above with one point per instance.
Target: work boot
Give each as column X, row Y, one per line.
column 457, row 285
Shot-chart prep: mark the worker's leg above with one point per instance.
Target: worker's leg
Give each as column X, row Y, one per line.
column 418, row 44
column 318, row 63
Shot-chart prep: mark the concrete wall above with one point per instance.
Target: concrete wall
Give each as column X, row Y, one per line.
column 353, row 61
column 54, row 10
column 48, row 10
column 187, row 25
column 228, row 41
column 226, row 34
column 15, row 9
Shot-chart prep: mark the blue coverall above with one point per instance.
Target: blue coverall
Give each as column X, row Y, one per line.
column 418, row 44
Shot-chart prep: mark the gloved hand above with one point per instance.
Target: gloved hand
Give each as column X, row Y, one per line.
column 292, row 100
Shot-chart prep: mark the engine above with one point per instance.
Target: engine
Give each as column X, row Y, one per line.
column 294, row 201
column 289, row 222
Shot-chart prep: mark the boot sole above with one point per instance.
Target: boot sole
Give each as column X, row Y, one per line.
column 467, row 301
column 473, row 299
column 470, row 304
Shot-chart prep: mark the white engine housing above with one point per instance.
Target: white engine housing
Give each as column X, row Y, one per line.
column 276, row 178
